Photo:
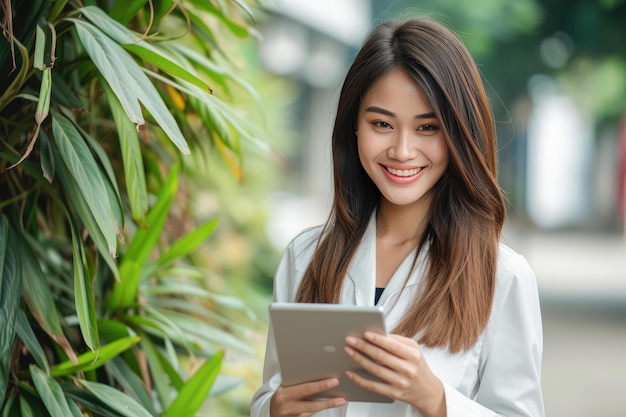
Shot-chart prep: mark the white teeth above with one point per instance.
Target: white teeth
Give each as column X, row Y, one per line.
column 403, row 172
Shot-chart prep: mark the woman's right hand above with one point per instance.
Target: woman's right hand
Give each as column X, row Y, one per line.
column 293, row 401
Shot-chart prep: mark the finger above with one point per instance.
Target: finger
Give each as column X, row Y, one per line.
column 371, row 385
column 377, row 349
column 378, row 368
column 388, row 365
column 397, row 345
column 292, row 400
column 402, row 339
column 307, row 408
column 389, row 341
column 303, row 391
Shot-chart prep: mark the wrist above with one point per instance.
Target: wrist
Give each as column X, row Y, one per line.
column 434, row 405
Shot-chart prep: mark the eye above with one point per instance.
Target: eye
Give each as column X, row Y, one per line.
column 428, row 127
column 382, row 125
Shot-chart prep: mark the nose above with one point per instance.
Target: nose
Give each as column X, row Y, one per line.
column 403, row 147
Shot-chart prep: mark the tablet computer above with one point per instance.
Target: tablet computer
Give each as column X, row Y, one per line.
column 310, row 341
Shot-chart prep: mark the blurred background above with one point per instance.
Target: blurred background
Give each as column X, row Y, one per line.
column 555, row 72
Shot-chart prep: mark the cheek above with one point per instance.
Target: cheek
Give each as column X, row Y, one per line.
column 440, row 152
column 364, row 146
column 362, row 150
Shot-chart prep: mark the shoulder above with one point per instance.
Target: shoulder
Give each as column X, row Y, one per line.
column 300, row 250
column 514, row 276
column 293, row 264
column 512, row 265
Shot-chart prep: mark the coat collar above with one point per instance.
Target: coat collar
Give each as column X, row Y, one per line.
column 360, row 287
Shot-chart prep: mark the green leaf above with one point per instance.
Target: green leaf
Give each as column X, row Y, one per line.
column 240, row 30
column 43, row 107
column 117, row 400
column 93, row 360
column 130, row 85
column 172, row 373
column 51, row 393
column 195, row 391
column 20, row 78
column 112, row 329
column 161, row 327
column 124, row 11
column 221, row 119
column 46, row 156
column 25, row 409
column 173, row 331
column 195, row 329
column 45, row 45
column 45, row 91
column 178, row 287
column 199, row 62
column 105, row 54
column 75, row 409
column 10, row 287
column 36, row 292
column 63, row 93
column 57, row 9
column 188, row 243
column 28, row 337
column 132, row 159
column 88, row 400
column 245, row 8
column 87, row 177
column 109, row 26
column 130, row 382
column 159, row 377
column 165, row 64
column 125, row 290
column 107, row 166
column 83, row 294
column 143, row 242
column 8, row 405
column 81, row 206
column 171, row 295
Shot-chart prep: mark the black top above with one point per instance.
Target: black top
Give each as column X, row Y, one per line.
column 379, row 292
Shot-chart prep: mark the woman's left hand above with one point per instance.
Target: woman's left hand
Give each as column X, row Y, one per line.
column 398, row 362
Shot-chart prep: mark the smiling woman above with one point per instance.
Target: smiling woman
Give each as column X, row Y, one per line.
column 415, row 228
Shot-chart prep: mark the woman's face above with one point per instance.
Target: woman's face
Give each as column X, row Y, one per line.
column 400, row 143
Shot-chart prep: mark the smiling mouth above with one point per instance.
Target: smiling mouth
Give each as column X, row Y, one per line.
column 403, row 172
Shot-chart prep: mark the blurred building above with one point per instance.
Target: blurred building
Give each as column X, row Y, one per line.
column 312, row 44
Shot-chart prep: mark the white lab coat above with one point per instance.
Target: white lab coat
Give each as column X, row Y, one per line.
column 499, row 376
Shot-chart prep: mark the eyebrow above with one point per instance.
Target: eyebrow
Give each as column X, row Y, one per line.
column 374, row 109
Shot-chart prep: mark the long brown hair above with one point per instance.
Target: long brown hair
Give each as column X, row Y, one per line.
column 467, row 210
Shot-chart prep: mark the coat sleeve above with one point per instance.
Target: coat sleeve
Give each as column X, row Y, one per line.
column 510, row 372
column 286, row 282
column 260, row 404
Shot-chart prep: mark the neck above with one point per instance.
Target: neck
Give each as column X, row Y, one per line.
column 401, row 224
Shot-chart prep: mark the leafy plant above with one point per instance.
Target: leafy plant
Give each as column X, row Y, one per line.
column 101, row 311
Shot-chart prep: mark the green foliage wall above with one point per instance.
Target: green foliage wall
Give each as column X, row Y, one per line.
column 104, row 107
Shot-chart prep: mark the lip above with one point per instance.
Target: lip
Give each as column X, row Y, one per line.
column 402, row 179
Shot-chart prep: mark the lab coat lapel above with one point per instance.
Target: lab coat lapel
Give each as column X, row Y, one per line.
column 361, row 278
column 399, row 280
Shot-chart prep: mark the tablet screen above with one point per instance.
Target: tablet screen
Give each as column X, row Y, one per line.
column 310, row 340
